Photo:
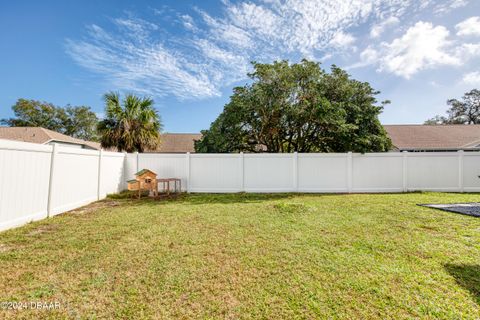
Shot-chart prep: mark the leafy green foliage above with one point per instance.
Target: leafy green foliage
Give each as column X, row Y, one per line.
column 298, row 107
column 131, row 125
column 466, row 111
column 76, row 121
column 80, row 122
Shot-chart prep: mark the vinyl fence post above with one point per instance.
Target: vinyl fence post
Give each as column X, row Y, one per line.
column 124, row 171
column 187, row 169
column 242, row 172
column 99, row 180
column 460, row 170
column 404, row 171
column 137, row 160
column 295, row 171
column 349, row 171
column 51, row 180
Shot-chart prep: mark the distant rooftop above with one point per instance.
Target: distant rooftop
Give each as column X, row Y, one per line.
column 434, row 137
column 170, row 142
column 42, row 136
column 177, row 142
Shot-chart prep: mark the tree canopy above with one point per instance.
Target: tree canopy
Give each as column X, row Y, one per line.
column 76, row 121
column 298, row 107
column 466, row 111
column 130, row 125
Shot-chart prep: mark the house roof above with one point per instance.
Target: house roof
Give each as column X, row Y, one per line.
column 41, row 135
column 177, row 142
column 434, row 137
column 170, row 142
column 404, row 137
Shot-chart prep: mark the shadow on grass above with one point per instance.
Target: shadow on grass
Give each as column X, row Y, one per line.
column 468, row 276
column 202, row 198
column 230, row 198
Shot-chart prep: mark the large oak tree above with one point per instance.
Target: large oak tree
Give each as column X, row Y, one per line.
column 298, row 107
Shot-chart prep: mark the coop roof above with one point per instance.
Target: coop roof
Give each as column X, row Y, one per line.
column 143, row 171
column 132, row 181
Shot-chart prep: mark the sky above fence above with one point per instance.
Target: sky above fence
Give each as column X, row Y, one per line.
column 188, row 55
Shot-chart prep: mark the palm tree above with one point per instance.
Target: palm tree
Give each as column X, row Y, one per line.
column 133, row 126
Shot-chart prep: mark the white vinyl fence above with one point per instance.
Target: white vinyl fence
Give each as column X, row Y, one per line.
column 315, row 172
column 37, row 181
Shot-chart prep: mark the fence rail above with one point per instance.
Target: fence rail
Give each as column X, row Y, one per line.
column 37, row 181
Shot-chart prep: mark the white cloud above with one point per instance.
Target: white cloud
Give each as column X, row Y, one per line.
column 449, row 5
column 455, row 4
column 342, row 40
column 422, row 46
column 472, row 78
column 469, row 27
column 188, row 22
column 303, row 26
column 212, row 52
column 379, row 28
column 467, row 51
column 369, row 55
column 135, row 65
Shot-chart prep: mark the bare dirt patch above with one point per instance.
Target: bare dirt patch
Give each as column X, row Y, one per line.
column 96, row 206
column 42, row 229
column 4, row 248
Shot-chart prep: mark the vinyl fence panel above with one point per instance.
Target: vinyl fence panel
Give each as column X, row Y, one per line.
column 130, row 167
column 437, row 171
column 215, row 173
column 268, row 172
column 41, row 180
column 165, row 165
column 322, row 172
column 377, row 172
column 24, row 182
column 75, row 179
column 112, row 179
column 471, row 171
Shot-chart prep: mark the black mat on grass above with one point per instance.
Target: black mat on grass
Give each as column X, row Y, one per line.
column 469, row 209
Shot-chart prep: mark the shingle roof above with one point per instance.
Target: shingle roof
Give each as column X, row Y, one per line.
column 41, row 135
column 177, row 142
column 434, row 137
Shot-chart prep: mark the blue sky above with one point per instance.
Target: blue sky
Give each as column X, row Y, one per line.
column 188, row 55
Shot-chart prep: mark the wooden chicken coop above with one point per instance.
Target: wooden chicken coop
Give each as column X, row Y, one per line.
column 144, row 180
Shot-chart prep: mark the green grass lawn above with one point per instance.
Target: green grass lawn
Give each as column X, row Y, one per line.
column 249, row 256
